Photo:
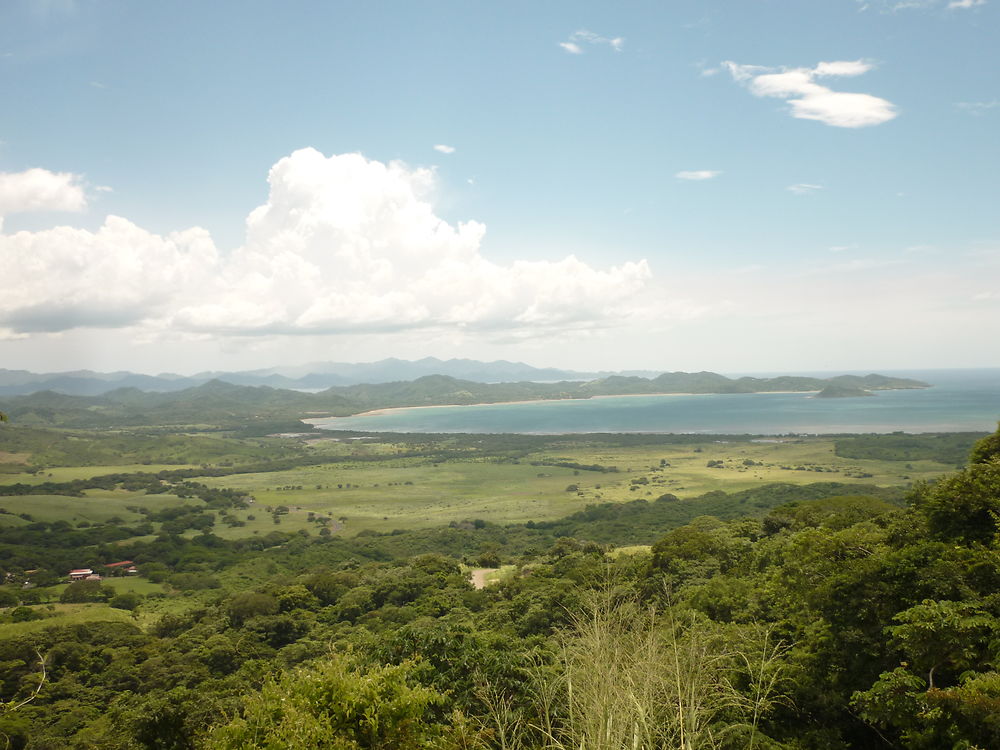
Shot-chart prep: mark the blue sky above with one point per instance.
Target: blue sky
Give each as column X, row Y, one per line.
column 799, row 185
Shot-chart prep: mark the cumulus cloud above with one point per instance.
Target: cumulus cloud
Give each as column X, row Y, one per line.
column 803, row 188
column 40, row 190
column 698, row 174
column 343, row 244
column 810, row 100
column 444, row 149
column 65, row 278
column 581, row 37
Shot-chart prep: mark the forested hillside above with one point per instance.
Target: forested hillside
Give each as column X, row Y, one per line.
column 828, row 620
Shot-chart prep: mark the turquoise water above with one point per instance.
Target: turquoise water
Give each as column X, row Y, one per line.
column 964, row 400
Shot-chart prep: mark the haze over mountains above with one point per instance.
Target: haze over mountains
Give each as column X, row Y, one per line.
column 220, row 403
column 313, row 376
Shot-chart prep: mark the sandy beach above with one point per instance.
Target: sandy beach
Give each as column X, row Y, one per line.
column 392, row 409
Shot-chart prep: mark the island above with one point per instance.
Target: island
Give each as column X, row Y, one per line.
column 837, row 390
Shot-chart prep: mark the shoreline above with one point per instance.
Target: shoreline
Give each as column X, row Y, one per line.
column 391, row 409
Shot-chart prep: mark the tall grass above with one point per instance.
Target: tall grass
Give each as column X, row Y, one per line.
column 629, row 678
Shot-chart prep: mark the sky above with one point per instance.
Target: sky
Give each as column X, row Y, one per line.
column 769, row 185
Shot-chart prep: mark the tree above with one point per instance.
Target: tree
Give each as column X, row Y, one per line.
column 986, row 449
column 84, row 591
column 334, row 707
column 250, row 604
column 964, row 507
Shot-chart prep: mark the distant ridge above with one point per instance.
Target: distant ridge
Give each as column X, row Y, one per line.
column 221, row 404
column 314, row 376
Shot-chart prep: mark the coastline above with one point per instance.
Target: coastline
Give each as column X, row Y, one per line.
column 392, row 409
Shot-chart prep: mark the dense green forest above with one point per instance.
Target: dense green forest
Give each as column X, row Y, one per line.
column 816, row 615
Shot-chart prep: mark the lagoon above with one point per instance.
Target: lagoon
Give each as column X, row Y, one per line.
column 960, row 400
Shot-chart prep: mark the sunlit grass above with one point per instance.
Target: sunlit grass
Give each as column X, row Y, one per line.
column 65, row 614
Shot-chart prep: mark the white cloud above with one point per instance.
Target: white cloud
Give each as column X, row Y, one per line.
column 343, row 244
column 812, row 101
column 40, row 190
column 578, row 38
column 444, row 149
column 804, row 188
column 698, row 174
column 966, row 3
column 843, row 68
column 65, row 278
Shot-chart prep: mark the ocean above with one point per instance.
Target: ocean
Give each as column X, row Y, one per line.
column 959, row 400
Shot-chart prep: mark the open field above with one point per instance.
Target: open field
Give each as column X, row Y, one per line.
column 119, row 584
column 383, row 483
column 410, row 493
column 70, row 473
column 399, row 494
column 65, row 614
column 97, row 506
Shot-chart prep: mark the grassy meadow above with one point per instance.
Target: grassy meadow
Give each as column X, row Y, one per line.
column 384, row 483
column 96, row 506
column 407, row 493
column 65, row 614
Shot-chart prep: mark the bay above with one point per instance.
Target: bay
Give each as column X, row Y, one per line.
column 959, row 400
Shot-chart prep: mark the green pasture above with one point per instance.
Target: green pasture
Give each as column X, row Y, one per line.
column 119, row 584
column 793, row 460
column 71, row 473
column 398, row 493
column 65, row 614
column 410, row 493
column 96, row 506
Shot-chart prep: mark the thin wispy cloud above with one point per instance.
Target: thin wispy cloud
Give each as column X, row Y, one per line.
column 978, row 108
column 810, row 100
column 444, row 149
column 698, row 174
column 803, row 188
column 855, row 265
column 574, row 45
column 895, row 6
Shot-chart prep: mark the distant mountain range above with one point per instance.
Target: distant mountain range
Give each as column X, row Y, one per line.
column 218, row 404
column 311, row 377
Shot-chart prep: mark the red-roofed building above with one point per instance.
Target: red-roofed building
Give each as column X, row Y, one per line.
column 125, row 566
column 80, row 574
